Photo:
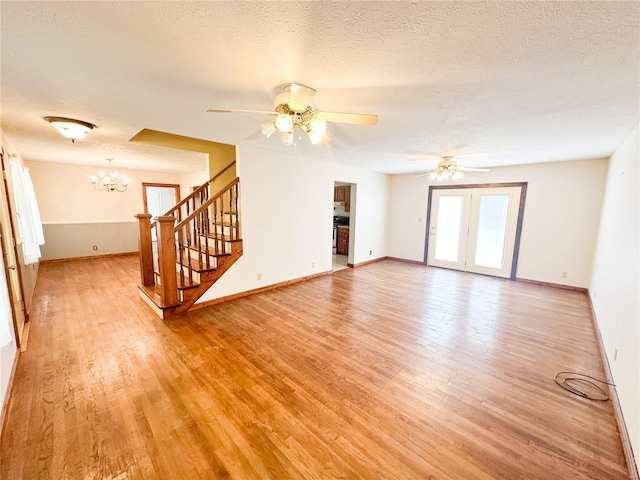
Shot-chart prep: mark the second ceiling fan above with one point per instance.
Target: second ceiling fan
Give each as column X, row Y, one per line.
column 294, row 108
column 448, row 168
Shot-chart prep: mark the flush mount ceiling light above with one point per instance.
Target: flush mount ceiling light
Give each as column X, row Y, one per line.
column 294, row 108
column 110, row 180
column 70, row 128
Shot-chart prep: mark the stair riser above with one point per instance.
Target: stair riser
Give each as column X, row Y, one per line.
column 222, row 245
column 227, row 230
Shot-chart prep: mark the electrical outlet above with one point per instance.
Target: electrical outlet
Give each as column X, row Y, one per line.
column 95, row 248
column 615, row 355
column 564, row 274
column 404, row 251
column 370, row 252
column 313, row 264
column 259, row 276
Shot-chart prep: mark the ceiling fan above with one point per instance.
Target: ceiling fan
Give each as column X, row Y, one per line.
column 293, row 107
column 448, row 168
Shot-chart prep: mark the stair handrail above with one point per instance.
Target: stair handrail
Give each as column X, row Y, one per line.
column 196, row 212
column 197, row 191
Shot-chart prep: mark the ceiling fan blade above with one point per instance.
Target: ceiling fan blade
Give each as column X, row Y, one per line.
column 467, row 169
column 229, row 110
column 301, row 97
column 255, row 136
column 428, row 172
column 354, row 118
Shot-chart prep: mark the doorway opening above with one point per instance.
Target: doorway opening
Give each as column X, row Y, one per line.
column 475, row 228
column 344, row 195
column 159, row 198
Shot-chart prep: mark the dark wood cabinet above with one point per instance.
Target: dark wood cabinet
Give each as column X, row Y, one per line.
column 343, row 194
column 342, row 244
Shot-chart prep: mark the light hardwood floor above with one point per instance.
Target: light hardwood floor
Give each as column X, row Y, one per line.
column 388, row 371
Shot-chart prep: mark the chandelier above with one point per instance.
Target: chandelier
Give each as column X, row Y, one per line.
column 70, row 128
column 110, row 180
column 308, row 121
column 447, row 169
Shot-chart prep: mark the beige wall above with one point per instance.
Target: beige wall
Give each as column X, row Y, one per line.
column 77, row 217
column 561, row 217
column 65, row 193
column 188, row 182
column 615, row 286
column 287, row 218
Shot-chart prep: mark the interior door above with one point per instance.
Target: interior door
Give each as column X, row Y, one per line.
column 474, row 229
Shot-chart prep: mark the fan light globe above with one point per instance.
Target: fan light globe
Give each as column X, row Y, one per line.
column 315, row 136
column 267, row 129
column 284, row 122
column 287, row 138
column 318, row 125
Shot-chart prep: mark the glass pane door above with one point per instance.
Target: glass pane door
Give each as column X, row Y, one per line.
column 448, row 226
column 447, row 235
column 492, row 230
column 492, row 225
column 474, row 229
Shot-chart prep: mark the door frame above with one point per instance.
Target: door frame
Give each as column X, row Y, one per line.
column 175, row 186
column 523, row 195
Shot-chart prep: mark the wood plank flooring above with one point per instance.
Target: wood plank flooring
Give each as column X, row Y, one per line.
column 388, row 371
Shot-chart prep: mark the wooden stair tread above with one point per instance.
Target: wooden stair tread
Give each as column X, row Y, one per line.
column 225, row 224
column 151, row 291
column 211, row 251
column 185, row 283
column 195, row 265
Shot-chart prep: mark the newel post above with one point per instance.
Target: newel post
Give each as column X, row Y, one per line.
column 145, row 247
column 167, row 260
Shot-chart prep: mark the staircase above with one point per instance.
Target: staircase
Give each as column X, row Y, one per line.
column 189, row 248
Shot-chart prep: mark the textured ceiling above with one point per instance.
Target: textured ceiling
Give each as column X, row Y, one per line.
column 517, row 82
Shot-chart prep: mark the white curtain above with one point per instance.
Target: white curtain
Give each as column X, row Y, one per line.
column 29, row 223
column 33, row 204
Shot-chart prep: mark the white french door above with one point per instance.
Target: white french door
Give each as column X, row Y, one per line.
column 474, row 229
